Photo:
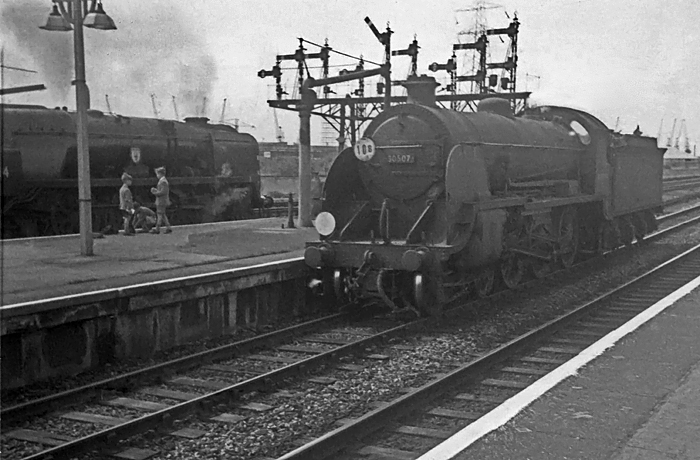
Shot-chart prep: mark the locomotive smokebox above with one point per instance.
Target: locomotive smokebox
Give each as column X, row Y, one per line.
column 421, row 90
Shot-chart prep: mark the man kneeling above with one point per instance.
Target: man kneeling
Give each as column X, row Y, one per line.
column 144, row 218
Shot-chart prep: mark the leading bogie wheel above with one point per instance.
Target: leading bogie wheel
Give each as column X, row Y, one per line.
column 338, row 284
column 428, row 289
column 419, row 290
column 428, row 294
column 335, row 289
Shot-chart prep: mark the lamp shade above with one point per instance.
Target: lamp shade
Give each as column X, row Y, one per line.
column 56, row 22
column 98, row 19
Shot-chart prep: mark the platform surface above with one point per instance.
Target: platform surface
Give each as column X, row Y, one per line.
column 640, row 400
column 41, row 268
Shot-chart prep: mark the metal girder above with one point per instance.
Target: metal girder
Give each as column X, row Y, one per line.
column 293, row 104
column 21, row 89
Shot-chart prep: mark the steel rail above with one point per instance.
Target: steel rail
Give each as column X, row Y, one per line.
column 331, row 443
column 678, row 183
column 681, row 178
column 686, row 186
column 205, row 403
column 678, row 226
column 91, row 391
column 681, row 199
column 675, row 214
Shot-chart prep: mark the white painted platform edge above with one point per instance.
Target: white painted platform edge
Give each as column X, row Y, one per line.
column 154, row 284
column 500, row 415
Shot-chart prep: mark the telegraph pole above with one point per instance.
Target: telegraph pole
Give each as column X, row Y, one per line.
column 83, row 104
column 308, row 97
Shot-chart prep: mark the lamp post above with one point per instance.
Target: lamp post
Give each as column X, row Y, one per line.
column 71, row 15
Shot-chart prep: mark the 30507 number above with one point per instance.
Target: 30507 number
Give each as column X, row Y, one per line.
column 402, row 158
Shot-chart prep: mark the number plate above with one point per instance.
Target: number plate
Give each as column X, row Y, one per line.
column 401, row 158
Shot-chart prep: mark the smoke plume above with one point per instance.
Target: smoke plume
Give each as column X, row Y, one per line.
column 155, row 51
column 236, row 201
column 51, row 52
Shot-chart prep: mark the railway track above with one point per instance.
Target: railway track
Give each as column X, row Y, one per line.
column 255, row 364
column 680, row 183
column 412, row 424
column 290, row 352
column 679, row 213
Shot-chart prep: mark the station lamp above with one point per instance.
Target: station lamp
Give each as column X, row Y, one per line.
column 56, row 22
column 73, row 15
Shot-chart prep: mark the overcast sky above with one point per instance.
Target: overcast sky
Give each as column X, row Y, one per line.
column 633, row 59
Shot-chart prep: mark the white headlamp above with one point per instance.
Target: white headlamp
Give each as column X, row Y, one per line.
column 324, row 223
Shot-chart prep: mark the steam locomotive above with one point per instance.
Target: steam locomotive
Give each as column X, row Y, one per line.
column 213, row 169
column 432, row 203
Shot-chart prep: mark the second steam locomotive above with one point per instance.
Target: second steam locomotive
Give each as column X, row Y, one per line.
column 212, row 168
column 433, row 202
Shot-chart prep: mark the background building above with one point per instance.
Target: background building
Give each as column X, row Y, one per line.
column 279, row 167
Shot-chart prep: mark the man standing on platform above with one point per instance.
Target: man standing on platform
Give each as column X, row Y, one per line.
column 162, row 193
column 126, row 204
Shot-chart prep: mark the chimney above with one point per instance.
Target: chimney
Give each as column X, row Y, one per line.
column 197, row 121
column 421, row 90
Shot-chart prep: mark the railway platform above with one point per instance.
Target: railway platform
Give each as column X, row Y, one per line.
column 42, row 268
column 638, row 400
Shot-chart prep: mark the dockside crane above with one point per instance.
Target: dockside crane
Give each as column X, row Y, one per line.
column 223, row 111
column 177, row 115
column 109, row 107
column 670, row 137
column 279, row 134
column 683, row 131
column 153, row 104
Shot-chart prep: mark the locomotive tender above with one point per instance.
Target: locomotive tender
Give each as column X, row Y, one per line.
column 213, row 169
column 433, row 202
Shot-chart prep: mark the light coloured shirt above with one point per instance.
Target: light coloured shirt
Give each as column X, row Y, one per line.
column 126, row 201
